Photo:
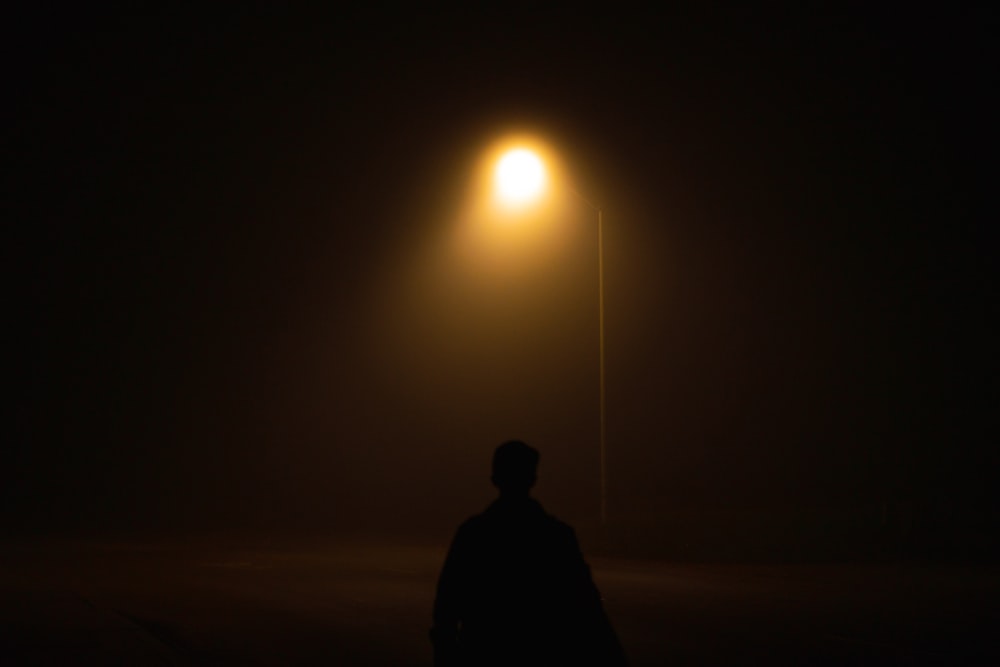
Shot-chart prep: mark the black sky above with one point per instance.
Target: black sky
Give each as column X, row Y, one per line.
column 229, row 303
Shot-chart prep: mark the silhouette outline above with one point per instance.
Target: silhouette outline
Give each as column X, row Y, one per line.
column 515, row 588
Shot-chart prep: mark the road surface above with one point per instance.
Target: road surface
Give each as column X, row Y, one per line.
column 68, row 603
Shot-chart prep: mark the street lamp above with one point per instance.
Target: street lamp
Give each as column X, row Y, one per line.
column 520, row 178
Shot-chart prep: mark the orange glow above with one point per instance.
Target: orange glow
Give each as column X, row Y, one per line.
column 515, row 208
column 516, row 176
column 520, row 176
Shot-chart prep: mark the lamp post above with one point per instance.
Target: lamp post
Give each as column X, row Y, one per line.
column 600, row 338
column 520, row 178
column 600, row 316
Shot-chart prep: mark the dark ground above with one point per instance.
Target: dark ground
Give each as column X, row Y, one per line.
column 88, row 602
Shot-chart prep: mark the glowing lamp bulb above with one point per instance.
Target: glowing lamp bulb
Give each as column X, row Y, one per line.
column 520, row 176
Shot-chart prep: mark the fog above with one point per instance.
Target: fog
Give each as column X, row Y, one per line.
column 243, row 301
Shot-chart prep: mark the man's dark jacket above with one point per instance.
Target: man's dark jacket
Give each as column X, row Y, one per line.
column 515, row 590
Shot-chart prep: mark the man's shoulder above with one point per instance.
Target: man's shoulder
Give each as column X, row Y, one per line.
column 562, row 533
column 471, row 524
column 556, row 525
column 489, row 519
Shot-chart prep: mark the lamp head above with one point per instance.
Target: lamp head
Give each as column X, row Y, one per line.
column 519, row 177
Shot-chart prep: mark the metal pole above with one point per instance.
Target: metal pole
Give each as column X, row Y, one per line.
column 600, row 319
column 600, row 308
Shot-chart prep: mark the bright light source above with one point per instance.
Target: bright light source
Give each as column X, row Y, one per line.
column 520, row 176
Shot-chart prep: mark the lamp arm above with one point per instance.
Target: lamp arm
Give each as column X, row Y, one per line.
column 586, row 201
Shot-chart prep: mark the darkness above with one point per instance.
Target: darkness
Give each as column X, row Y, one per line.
column 232, row 308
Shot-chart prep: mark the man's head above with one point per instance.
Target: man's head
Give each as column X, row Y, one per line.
column 515, row 466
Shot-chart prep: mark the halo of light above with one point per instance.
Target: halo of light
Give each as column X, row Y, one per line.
column 520, row 176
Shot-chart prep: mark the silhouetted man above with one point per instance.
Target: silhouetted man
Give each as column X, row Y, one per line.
column 515, row 589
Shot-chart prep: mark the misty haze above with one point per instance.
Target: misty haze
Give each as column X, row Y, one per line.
column 282, row 284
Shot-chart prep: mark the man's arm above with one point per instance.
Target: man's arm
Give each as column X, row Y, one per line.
column 605, row 648
column 447, row 604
